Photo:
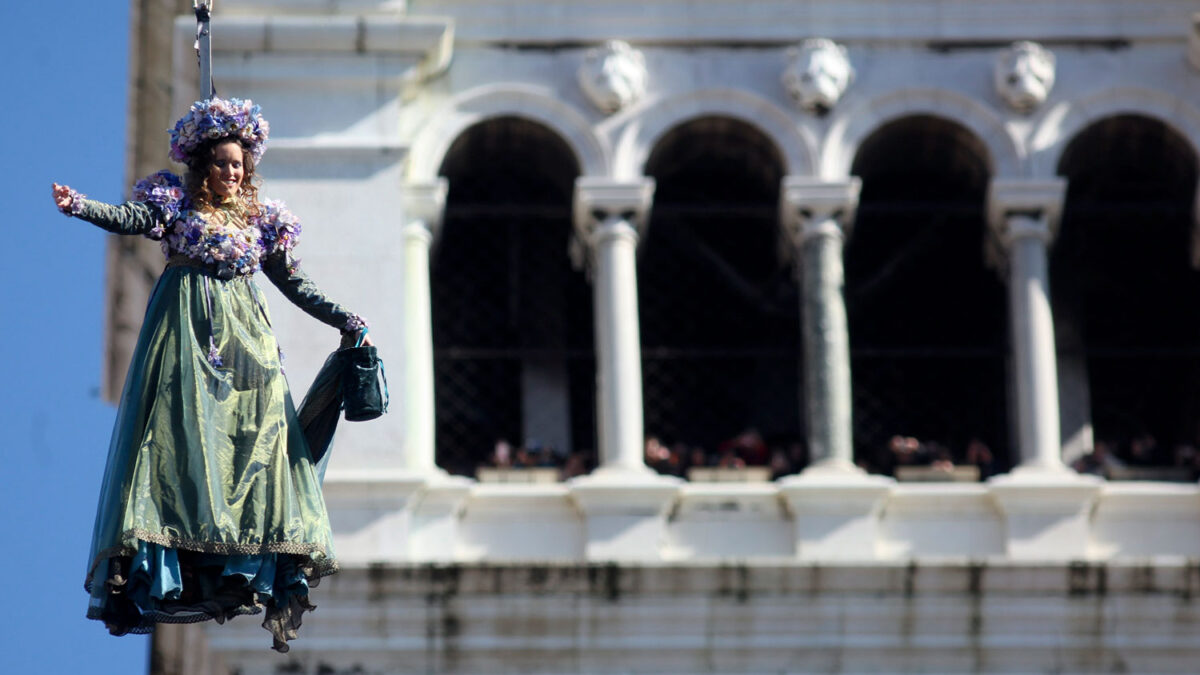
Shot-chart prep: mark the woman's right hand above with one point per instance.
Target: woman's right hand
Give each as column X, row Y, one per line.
column 62, row 196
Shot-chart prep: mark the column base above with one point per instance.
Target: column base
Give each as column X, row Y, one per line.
column 370, row 513
column 434, row 531
column 836, row 508
column 520, row 522
column 1142, row 520
column 624, row 512
column 722, row 521
column 1046, row 511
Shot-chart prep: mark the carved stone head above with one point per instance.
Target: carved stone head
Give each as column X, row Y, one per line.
column 817, row 74
column 613, row 76
column 1024, row 75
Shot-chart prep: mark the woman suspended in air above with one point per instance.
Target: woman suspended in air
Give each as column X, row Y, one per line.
column 210, row 505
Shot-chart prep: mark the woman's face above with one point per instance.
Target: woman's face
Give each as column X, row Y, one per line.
column 225, row 172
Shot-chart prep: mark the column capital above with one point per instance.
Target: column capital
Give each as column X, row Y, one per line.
column 1019, row 208
column 425, row 204
column 811, row 206
column 599, row 200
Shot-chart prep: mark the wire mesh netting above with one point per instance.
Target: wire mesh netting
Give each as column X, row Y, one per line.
column 512, row 320
column 1124, row 287
column 719, row 306
column 927, row 315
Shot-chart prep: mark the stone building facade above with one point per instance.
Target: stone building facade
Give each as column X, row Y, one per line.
column 829, row 220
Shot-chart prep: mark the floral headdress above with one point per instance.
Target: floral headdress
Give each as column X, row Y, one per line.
column 216, row 118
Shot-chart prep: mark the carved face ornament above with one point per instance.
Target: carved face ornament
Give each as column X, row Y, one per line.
column 818, row 73
column 613, row 76
column 1024, row 75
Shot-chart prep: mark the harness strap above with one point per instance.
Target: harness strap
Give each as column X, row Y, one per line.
column 203, row 46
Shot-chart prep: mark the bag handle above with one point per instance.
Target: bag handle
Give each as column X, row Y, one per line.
column 361, row 336
column 383, row 374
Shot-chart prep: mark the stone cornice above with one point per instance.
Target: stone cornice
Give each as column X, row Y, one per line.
column 429, row 39
column 782, row 21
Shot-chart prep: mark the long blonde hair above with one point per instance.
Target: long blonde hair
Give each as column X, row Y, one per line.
column 196, row 180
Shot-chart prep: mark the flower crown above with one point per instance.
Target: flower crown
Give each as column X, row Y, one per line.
column 217, row 118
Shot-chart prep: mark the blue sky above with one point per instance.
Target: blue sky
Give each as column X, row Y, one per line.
column 65, row 66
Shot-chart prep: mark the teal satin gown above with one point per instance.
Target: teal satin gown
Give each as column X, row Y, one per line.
column 210, row 505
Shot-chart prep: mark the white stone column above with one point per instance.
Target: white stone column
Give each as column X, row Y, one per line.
column 623, row 501
column 836, row 506
column 424, row 205
column 1046, row 505
column 815, row 216
column 1024, row 216
column 431, row 523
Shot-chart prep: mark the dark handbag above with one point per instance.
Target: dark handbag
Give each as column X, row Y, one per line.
column 364, row 383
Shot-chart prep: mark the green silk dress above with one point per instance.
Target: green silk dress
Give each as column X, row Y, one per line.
column 210, row 505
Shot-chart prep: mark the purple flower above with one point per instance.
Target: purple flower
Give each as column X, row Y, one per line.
column 214, row 118
column 214, row 357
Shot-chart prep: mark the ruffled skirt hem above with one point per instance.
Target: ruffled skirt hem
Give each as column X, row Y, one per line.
column 159, row 584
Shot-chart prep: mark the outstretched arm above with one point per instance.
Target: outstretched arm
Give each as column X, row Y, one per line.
column 128, row 218
column 297, row 287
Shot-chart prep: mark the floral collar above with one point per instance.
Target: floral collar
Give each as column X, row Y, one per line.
column 234, row 244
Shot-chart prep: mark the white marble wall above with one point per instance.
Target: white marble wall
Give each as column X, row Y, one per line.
column 953, row 617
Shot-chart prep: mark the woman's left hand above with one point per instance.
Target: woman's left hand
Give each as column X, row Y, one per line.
column 62, row 196
column 350, row 339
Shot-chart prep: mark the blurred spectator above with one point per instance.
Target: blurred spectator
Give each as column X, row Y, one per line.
column 1099, row 461
column 576, row 464
column 939, row 457
column 655, row 453
column 1144, row 451
column 749, row 446
column 522, row 459
column 798, row 454
column 1186, row 457
column 980, row 455
column 907, row 451
column 783, row 457
column 502, row 454
column 730, row 459
column 781, row 464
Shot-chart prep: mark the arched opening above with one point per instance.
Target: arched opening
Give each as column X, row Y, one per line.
column 512, row 320
column 927, row 317
column 1125, row 294
column 719, row 308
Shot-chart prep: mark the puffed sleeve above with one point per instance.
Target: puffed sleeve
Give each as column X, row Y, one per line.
column 156, row 201
column 280, row 231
